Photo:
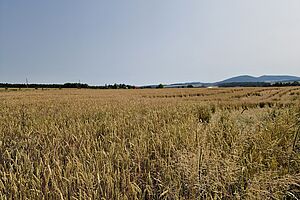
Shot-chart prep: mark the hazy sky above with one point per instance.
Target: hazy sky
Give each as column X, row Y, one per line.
column 144, row 42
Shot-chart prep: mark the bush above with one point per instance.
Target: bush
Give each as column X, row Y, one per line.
column 160, row 86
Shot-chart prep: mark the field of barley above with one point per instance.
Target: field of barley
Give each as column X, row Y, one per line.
column 220, row 143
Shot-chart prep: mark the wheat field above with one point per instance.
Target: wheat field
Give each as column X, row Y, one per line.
column 220, row 143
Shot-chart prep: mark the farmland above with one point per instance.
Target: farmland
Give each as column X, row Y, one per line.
column 197, row 143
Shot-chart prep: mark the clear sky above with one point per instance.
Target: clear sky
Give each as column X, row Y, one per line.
column 147, row 41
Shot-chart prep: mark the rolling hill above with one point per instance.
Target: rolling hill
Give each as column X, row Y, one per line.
column 264, row 78
column 246, row 80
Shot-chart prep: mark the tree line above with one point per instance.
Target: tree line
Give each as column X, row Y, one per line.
column 259, row 84
column 125, row 86
column 66, row 85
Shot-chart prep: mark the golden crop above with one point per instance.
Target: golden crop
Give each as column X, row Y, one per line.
column 231, row 143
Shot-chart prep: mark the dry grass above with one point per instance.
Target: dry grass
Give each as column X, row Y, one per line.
column 233, row 143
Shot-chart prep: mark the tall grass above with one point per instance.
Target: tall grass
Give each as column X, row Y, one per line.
column 69, row 144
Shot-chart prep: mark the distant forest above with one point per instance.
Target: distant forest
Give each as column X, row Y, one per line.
column 259, row 84
column 124, row 86
column 66, row 85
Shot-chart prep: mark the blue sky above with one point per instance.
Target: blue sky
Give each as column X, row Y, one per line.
column 144, row 42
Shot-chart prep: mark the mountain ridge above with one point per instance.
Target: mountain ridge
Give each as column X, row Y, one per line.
column 240, row 79
column 263, row 78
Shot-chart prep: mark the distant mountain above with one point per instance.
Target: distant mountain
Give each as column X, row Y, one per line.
column 265, row 78
column 270, row 78
column 244, row 80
